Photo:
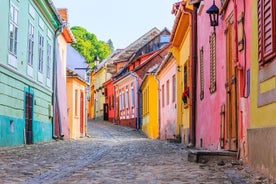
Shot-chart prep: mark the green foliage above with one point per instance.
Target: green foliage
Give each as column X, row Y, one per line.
column 88, row 45
column 110, row 44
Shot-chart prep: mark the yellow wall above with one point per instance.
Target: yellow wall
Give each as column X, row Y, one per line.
column 74, row 84
column 150, row 107
column 182, row 53
column 100, row 78
column 259, row 116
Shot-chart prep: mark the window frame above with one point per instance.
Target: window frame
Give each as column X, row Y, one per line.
column 13, row 28
column 41, row 40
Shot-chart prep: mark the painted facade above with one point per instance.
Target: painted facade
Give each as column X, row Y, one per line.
column 167, row 112
column 129, row 80
column 109, row 101
column 61, row 117
column 181, row 43
column 26, row 59
column 103, row 72
column 121, row 61
column 149, row 93
column 262, row 130
column 76, row 85
column 222, row 83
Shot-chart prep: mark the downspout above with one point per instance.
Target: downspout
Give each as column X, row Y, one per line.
column 58, row 31
column 158, row 93
column 136, row 100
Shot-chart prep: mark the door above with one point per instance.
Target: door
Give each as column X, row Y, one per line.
column 105, row 112
column 231, row 132
column 81, row 113
column 29, row 118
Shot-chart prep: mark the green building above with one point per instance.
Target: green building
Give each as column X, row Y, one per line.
column 27, row 37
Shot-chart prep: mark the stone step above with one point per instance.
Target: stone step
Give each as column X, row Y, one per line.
column 202, row 156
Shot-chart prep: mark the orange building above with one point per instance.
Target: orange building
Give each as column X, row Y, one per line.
column 76, row 93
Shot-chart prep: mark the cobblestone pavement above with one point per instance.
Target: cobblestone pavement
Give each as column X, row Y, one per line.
column 115, row 154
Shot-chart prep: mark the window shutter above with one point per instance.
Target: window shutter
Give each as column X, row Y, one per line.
column 212, row 41
column 266, row 30
column 201, row 74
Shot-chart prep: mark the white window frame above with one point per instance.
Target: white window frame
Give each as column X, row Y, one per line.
column 132, row 96
column 13, row 32
column 127, row 96
column 40, row 52
column 31, row 44
column 48, row 60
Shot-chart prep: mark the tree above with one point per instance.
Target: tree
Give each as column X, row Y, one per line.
column 110, row 44
column 88, row 45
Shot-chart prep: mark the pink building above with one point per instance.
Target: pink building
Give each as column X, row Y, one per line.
column 166, row 75
column 223, row 64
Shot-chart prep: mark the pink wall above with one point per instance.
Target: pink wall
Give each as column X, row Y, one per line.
column 127, row 111
column 208, row 109
column 168, row 112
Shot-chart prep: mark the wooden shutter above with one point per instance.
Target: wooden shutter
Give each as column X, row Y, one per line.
column 266, row 30
column 201, row 74
column 212, row 41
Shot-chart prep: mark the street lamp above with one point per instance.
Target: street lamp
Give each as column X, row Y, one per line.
column 213, row 12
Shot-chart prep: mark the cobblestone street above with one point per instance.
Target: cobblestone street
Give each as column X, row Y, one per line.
column 114, row 154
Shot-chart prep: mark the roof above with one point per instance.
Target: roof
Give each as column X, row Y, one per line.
column 67, row 33
column 76, row 62
column 136, row 45
column 109, row 58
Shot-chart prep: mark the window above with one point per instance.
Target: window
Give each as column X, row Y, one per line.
column 31, row 45
column 49, row 58
column 266, row 30
column 76, row 102
column 173, row 88
column 126, row 98
column 145, row 101
column 13, row 30
column 168, row 92
column 122, row 101
column 132, row 97
column 163, row 95
column 201, row 73
column 212, row 41
column 40, row 52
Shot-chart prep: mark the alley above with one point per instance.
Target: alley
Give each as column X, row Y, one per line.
column 114, row 154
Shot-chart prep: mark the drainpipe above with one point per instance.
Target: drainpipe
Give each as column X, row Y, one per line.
column 158, row 93
column 58, row 31
column 136, row 99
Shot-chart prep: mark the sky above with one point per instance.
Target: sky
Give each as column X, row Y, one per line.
column 122, row 21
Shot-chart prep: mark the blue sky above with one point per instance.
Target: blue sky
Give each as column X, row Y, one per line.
column 122, row 21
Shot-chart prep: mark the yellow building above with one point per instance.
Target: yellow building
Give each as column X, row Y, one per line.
column 262, row 131
column 181, row 43
column 149, row 91
column 99, row 98
column 76, row 104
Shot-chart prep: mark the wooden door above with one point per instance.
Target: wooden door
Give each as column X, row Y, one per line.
column 231, row 128
column 29, row 118
column 105, row 107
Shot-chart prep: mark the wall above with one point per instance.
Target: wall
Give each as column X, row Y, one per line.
column 150, row 119
column 19, row 77
column 168, row 112
column 262, row 131
column 74, row 84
